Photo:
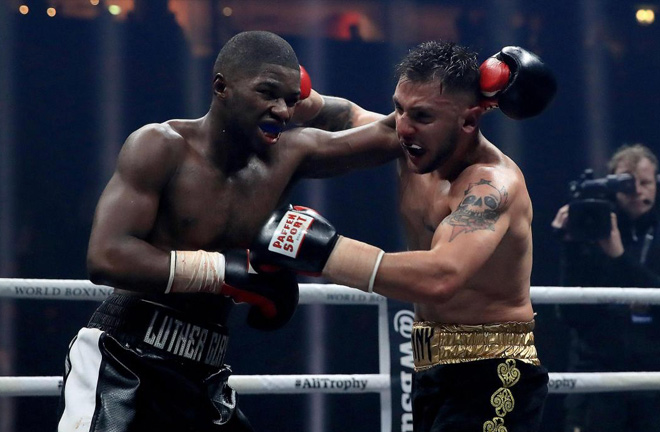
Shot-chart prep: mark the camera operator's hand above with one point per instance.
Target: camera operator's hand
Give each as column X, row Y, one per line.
column 561, row 218
column 560, row 223
column 612, row 246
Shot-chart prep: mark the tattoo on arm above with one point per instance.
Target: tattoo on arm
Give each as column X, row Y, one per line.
column 334, row 116
column 481, row 207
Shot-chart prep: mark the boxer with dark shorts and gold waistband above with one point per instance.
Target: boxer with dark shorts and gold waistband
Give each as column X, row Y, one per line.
column 477, row 377
column 467, row 215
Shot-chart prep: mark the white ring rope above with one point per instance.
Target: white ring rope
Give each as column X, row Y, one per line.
column 245, row 384
column 575, row 295
column 67, row 289
column 70, row 289
column 594, row 382
column 563, row 382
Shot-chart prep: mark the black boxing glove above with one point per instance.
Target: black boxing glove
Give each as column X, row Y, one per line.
column 518, row 82
column 295, row 237
column 273, row 296
column 300, row 239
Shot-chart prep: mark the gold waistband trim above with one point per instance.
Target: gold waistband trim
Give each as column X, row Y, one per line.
column 436, row 343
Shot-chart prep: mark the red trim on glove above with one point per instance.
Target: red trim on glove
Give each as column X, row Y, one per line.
column 266, row 306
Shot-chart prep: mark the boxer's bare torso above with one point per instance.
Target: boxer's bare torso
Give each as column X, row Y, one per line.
column 189, row 185
column 468, row 206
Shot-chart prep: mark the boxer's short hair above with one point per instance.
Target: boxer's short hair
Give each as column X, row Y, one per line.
column 453, row 65
column 247, row 51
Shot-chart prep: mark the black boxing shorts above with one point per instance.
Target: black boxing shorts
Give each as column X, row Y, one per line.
column 477, row 377
column 141, row 366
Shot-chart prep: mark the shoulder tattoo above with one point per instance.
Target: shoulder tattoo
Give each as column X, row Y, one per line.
column 480, row 208
column 334, row 116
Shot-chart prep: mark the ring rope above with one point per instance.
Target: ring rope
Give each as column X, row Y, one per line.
column 245, row 384
column 71, row 289
column 594, row 295
column 68, row 289
column 560, row 383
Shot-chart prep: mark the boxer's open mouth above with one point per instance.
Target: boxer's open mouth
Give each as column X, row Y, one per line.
column 271, row 131
column 413, row 149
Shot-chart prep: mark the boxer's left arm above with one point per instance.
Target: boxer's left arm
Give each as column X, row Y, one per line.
column 328, row 112
column 483, row 211
column 329, row 154
column 332, row 113
column 326, row 154
column 430, row 276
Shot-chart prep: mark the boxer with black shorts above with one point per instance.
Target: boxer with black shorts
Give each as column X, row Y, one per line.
column 467, row 215
column 170, row 235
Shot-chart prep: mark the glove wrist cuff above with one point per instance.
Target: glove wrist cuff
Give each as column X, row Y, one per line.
column 353, row 263
column 196, row 271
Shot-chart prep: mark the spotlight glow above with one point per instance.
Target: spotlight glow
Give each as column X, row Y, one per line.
column 23, row 9
column 227, row 11
column 114, row 9
column 51, row 12
column 645, row 16
column 94, row 2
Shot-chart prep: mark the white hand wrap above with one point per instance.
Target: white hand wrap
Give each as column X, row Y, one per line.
column 354, row 264
column 196, row 271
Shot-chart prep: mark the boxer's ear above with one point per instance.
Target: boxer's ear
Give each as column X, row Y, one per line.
column 219, row 85
column 470, row 118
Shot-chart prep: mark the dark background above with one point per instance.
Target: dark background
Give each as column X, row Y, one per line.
column 72, row 89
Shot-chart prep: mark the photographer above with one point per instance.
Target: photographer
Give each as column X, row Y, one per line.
column 609, row 337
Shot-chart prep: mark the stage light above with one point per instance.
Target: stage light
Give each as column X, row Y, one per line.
column 23, row 9
column 51, row 12
column 645, row 16
column 94, row 2
column 114, row 9
column 227, row 11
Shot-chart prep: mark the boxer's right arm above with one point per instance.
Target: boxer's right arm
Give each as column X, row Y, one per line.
column 119, row 254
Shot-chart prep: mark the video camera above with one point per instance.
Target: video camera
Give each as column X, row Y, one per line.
column 592, row 201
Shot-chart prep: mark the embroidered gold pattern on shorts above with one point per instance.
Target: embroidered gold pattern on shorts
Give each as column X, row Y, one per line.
column 502, row 400
column 435, row 343
column 495, row 425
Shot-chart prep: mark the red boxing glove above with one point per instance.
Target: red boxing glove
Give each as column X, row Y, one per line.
column 305, row 84
column 494, row 77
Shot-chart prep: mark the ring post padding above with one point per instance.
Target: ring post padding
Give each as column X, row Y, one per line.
column 384, row 367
